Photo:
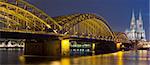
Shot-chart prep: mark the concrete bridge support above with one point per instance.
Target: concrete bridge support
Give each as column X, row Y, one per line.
column 47, row 47
column 103, row 47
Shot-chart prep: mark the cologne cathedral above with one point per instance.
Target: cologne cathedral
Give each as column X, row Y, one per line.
column 136, row 31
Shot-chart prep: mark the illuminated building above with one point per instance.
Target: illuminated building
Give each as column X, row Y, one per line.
column 136, row 31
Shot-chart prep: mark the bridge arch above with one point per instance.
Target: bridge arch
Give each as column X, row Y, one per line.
column 26, row 15
column 121, row 37
column 85, row 24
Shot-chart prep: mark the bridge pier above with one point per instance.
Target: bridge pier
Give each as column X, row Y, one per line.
column 42, row 47
column 47, row 47
column 103, row 47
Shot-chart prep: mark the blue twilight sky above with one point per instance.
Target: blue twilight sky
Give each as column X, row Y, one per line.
column 116, row 12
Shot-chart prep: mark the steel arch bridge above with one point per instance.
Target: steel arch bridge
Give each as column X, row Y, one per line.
column 20, row 16
column 121, row 37
column 89, row 25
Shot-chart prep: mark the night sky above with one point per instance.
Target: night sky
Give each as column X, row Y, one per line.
column 116, row 12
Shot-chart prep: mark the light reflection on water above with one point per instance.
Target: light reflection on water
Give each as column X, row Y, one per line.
column 140, row 57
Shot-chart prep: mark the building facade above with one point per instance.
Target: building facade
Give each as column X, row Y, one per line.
column 136, row 30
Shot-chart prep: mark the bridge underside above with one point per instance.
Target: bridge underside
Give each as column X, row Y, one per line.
column 67, row 47
column 18, row 35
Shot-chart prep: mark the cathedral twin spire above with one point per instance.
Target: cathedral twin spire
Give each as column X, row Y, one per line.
column 136, row 31
column 136, row 24
column 133, row 24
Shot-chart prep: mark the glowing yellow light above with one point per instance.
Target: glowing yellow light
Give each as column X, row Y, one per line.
column 120, row 58
column 22, row 59
column 65, row 61
column 65, row 47
column 118, row 45
column 93, row 47
column 55, row 63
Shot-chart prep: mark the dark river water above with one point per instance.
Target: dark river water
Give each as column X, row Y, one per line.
column 140, row 57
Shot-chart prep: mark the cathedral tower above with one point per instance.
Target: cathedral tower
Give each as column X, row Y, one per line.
column 133, row 24
column 131, row 33
column 140, row 29
column 136, row 31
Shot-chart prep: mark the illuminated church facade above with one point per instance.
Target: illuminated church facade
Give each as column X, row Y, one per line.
column 136, row 30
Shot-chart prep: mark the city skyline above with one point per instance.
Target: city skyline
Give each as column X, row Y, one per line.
column 117, row 13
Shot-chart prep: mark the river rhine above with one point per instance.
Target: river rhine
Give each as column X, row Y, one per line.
column 140, row 57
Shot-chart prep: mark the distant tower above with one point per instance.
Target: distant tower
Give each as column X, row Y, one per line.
column 136, row 31
column 140, row 29
column 132, row 24
column 132, row 32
